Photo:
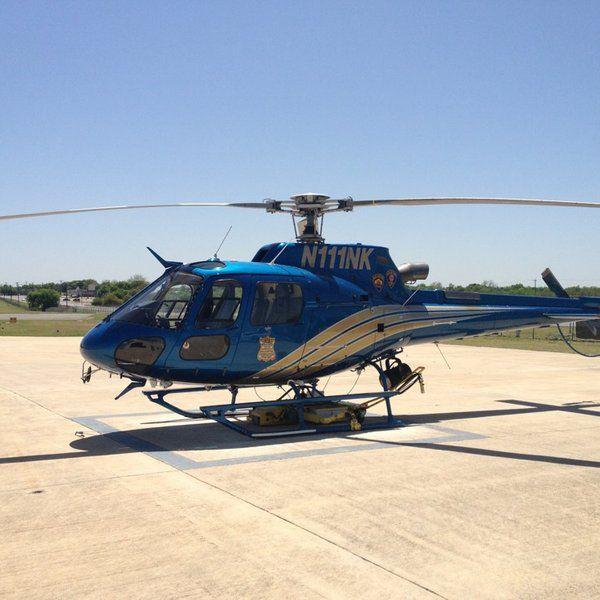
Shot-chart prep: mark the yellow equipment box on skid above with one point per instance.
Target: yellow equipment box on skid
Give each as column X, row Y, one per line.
column 272, row 415
column 324, row 414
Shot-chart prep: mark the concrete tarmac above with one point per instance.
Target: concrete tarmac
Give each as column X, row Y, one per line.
column 493, row 491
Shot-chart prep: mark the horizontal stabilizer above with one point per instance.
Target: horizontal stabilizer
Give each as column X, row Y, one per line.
column 588, row 330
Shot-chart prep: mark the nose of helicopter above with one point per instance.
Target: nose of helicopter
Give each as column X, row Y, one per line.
column 97, row 348
column 120, row 348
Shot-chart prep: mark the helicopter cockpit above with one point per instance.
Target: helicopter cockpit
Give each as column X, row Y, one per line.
column 164, row 303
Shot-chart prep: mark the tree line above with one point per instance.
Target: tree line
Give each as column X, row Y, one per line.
column 114, row 292
column 41, row 296
column 7, row 289
column 517, row 289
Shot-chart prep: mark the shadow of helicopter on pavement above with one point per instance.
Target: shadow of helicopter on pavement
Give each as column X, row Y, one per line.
column 181, row 438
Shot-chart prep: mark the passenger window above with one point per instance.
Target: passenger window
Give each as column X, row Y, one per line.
column 221, row 306
column 276, row 303
column 204, row 347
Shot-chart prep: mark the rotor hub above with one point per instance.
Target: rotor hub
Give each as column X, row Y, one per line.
column 307, row 212
column 310, row 198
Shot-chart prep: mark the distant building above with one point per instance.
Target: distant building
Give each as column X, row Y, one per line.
column 79, row 292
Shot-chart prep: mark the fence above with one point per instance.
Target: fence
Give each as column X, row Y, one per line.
column 89, row 308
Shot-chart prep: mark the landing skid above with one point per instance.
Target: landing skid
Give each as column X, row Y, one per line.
column 297, row 406
column 233, row 415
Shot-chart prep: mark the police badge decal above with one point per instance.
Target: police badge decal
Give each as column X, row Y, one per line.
column 378, row 281
column 266, row 350
column 391, row 276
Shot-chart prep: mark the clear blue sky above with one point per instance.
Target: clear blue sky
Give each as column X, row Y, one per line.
column 129, row 102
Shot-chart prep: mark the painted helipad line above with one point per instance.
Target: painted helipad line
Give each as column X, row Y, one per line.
column 179, row 461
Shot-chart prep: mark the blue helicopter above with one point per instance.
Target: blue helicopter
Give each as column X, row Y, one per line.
column 298, row 312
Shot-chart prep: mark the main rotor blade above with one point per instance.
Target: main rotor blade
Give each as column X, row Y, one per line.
column 265, row 205
column 435, row 201
column 131, row 207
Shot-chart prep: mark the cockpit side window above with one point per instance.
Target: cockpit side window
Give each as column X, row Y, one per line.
column 276, row 303
column 221, row 306
column 163, row 303
column 173, row 307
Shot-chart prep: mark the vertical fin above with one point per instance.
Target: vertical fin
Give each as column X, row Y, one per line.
column 553, row 283
column 167, row 264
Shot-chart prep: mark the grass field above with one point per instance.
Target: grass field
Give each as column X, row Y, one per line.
column 50, row 328
column 6, row 307
column 546, row 339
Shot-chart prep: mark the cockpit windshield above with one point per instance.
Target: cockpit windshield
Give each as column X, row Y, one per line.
column 163, row 303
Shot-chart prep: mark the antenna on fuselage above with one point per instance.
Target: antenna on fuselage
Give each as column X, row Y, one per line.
column 272, row 262
column 222, row 242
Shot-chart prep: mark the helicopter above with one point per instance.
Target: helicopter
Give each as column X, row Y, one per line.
column 298, row 312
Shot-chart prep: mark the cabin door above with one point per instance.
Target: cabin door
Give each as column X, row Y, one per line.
column 275, row 324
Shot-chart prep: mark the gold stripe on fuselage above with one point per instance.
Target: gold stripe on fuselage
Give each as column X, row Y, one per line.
column 342, row 332
column 373, row 337
column 365, row 328
column 344, row 335
column 360, row 344
column 315, row 342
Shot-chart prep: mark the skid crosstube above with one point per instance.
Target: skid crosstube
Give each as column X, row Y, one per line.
column 231, row 415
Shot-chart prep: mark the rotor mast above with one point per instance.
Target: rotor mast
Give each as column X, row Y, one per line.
column 307, row 211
